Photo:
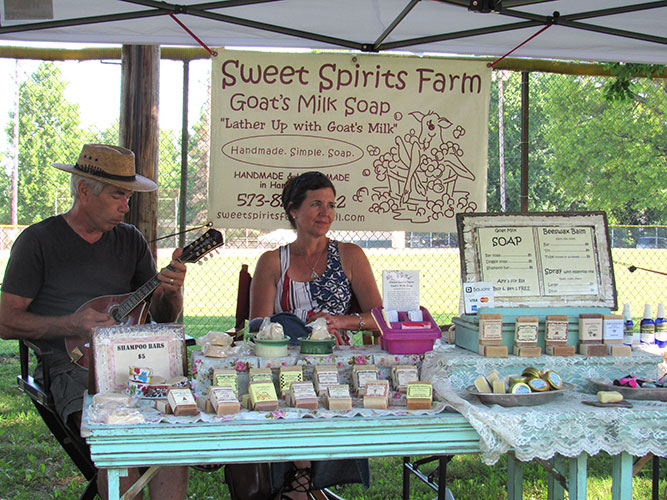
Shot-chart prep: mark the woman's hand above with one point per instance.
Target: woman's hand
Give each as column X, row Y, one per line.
column 337, row 326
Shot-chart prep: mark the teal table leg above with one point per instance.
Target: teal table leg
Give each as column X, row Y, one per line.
column 621, row 477
column 514, row 478
column 556, row 490
column 577, row 477
column 113, row 482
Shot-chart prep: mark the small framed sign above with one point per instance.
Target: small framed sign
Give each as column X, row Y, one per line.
column 539, row 259
column 115, row 349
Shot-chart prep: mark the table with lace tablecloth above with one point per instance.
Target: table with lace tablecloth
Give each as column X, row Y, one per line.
column 564, row 427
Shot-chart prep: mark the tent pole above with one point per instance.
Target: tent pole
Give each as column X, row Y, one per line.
column 525, row 95
column 184, row 155
column 140, row 77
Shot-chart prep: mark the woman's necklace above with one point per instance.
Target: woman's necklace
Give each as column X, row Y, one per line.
column 313, row 274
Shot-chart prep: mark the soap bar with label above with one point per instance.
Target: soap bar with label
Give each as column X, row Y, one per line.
column 401, row 375
column 419, row 395
column 612, row 329
column 224, row 400
column 260, row 375
column 555, row 329
column 225, row 377
column 263, row 396
column 324, row 376
column 337, row 397
column 182, row 401
column 525, row 331
column 289, row 374
column 302, row 395
column 361, row 375
column 490, row 329
column 590, row 328
column 376, row 394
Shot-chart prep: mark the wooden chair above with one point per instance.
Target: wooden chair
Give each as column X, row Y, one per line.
column 73, row 444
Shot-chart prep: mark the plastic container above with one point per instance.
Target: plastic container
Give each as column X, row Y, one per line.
column 661, row 327
column 647, row 327
column 396, row 340
column 628, row 325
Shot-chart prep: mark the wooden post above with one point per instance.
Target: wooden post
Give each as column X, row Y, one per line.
column 139, row 128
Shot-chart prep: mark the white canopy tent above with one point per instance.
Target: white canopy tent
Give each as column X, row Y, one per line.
column 590, row 30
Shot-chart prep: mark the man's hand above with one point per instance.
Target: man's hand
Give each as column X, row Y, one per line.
column 172, row 277
column 82, row 322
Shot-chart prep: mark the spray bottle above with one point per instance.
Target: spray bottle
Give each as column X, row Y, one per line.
column 628, row 325
column 647, row 327
column 661, row 327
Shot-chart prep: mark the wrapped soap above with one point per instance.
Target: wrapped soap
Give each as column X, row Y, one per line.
column 270, row 331
column 319, row 329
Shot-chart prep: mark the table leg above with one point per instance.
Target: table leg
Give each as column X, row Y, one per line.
column 577, row 477
column 556, row 490
column 621, row 477
column 113, row 482
column 514, row 478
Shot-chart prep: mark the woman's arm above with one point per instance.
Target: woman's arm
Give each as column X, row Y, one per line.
column 263, row 285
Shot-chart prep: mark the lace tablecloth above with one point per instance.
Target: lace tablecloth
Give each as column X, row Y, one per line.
column 564, row 426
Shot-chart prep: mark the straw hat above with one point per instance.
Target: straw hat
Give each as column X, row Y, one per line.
column 109, row 164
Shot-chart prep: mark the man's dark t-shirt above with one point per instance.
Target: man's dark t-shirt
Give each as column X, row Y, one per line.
column 60, row 271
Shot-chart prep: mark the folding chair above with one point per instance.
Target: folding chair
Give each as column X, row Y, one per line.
column 71, row 442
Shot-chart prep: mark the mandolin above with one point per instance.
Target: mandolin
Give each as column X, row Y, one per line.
column 132, row 308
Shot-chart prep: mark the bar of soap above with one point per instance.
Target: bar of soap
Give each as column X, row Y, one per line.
column 224, row 400
column 482, row 385
column 376, row 394
column 337, row 397
column 263, row 396
column 419, row 395
column 499, row 386
column 182, row 401
column 302, row 395
column 610, row 397
column 289, row 374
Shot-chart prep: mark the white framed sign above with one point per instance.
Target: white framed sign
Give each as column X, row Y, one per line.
column 161, row 348
column 539, row 259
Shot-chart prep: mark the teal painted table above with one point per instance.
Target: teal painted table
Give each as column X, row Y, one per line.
column 119, row 447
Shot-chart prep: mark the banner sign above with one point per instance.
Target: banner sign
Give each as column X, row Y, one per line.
column 403, row 138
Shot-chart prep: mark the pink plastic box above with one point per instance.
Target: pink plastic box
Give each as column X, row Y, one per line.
column 396, row 340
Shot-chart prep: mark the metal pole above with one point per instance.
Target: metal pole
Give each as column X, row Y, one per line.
column 525, row 94
column 184, row 155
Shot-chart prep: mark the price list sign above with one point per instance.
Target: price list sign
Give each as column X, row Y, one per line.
column 539, row 259
column 508, row 260
column 568, row 261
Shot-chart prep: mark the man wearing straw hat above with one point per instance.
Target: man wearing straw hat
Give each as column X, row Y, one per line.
column 62, row 262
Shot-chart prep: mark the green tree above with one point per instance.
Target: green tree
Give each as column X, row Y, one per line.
column 48, row 133
column 609, row 155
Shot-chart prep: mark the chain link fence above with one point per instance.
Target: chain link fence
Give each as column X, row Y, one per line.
column 574, row 148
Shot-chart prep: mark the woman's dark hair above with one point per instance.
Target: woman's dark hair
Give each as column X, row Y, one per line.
column 294, row 191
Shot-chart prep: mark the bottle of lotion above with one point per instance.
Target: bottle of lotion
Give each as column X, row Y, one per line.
column 628, row 325
column 647, row 327
column 661, row 327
